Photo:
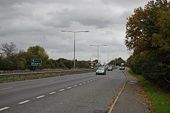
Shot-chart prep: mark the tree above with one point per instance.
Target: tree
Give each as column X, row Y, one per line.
column 38, row 52
column 117, row 61
column 22, row 58
column 143, row 24
column 64, row 63
column 83, row 64
column 148, row 35
column 8, row 49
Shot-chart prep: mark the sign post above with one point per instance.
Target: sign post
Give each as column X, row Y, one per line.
column 35, row 62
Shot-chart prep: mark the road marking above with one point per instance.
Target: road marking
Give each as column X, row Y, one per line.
column 4, row 108
column 40, row 96
column 61, row 90
column 75, row 85
column 69, row 87
column 6, row 88
column 80, row 84
column 52, row 93
column 23, row 102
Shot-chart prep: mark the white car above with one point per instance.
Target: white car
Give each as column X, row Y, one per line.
column 101, row 71
column 122, row 68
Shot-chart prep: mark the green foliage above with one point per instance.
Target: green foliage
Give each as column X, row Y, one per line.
column 83, row 64
column 159, row 100
column 66, row 64
column 11, row 60
column 148, row 34
column 38, row 52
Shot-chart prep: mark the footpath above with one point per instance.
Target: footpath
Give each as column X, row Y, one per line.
column 131, row 100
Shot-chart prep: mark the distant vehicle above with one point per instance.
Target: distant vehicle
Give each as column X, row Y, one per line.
column 122, row 66
column 101, row 71
column 110, row 68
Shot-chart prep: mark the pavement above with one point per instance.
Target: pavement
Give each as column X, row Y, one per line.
column 78, row 93
column 131, row 100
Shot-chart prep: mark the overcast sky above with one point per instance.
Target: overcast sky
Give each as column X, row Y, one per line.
column 39, row 22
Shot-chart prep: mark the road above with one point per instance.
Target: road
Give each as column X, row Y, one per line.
column 78, row 93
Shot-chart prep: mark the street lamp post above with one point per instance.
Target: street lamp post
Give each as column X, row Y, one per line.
column 98, row 47
column 74, row 32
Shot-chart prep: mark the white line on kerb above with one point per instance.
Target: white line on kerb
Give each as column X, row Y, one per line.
column 23, row 102
column 61, row 89
column 69, row 87
column 4, row 108
column 40, row 96
column 52, row 93
column 75, row 85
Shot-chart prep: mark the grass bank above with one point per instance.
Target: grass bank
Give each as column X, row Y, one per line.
column 159, row 100
column 12, row 78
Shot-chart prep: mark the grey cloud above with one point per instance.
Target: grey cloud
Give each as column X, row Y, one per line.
column 126, row 3
column 39, row 22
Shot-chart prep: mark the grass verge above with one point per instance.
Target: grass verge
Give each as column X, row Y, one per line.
column 12, row 78
column 159, row 101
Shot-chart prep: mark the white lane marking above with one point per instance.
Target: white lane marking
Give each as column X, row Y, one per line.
column 23, row 102
column 40, row 96
column 69, row 87
column 75, row 85
column 52, row 93
column 61, row 90
column 4, row 108
column 6, row 88
column 80, row 84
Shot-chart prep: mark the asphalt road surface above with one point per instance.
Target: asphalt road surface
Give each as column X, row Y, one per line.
column 78, row 93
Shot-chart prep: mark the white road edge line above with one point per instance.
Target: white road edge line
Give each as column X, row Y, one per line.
column 61, row 90
column 23, row 102
column 69, row 87
column 52, row 93
column 40, row 96
column 4, row 108
column 75, row 85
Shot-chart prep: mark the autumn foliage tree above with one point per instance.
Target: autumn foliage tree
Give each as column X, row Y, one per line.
column 148, row 35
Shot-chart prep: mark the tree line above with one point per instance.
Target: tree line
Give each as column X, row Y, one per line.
column 117, row 61
column 148, row 35
column 11, row 59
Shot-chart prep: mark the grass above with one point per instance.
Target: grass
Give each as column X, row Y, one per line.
column 12, row 78
column 159, row 100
